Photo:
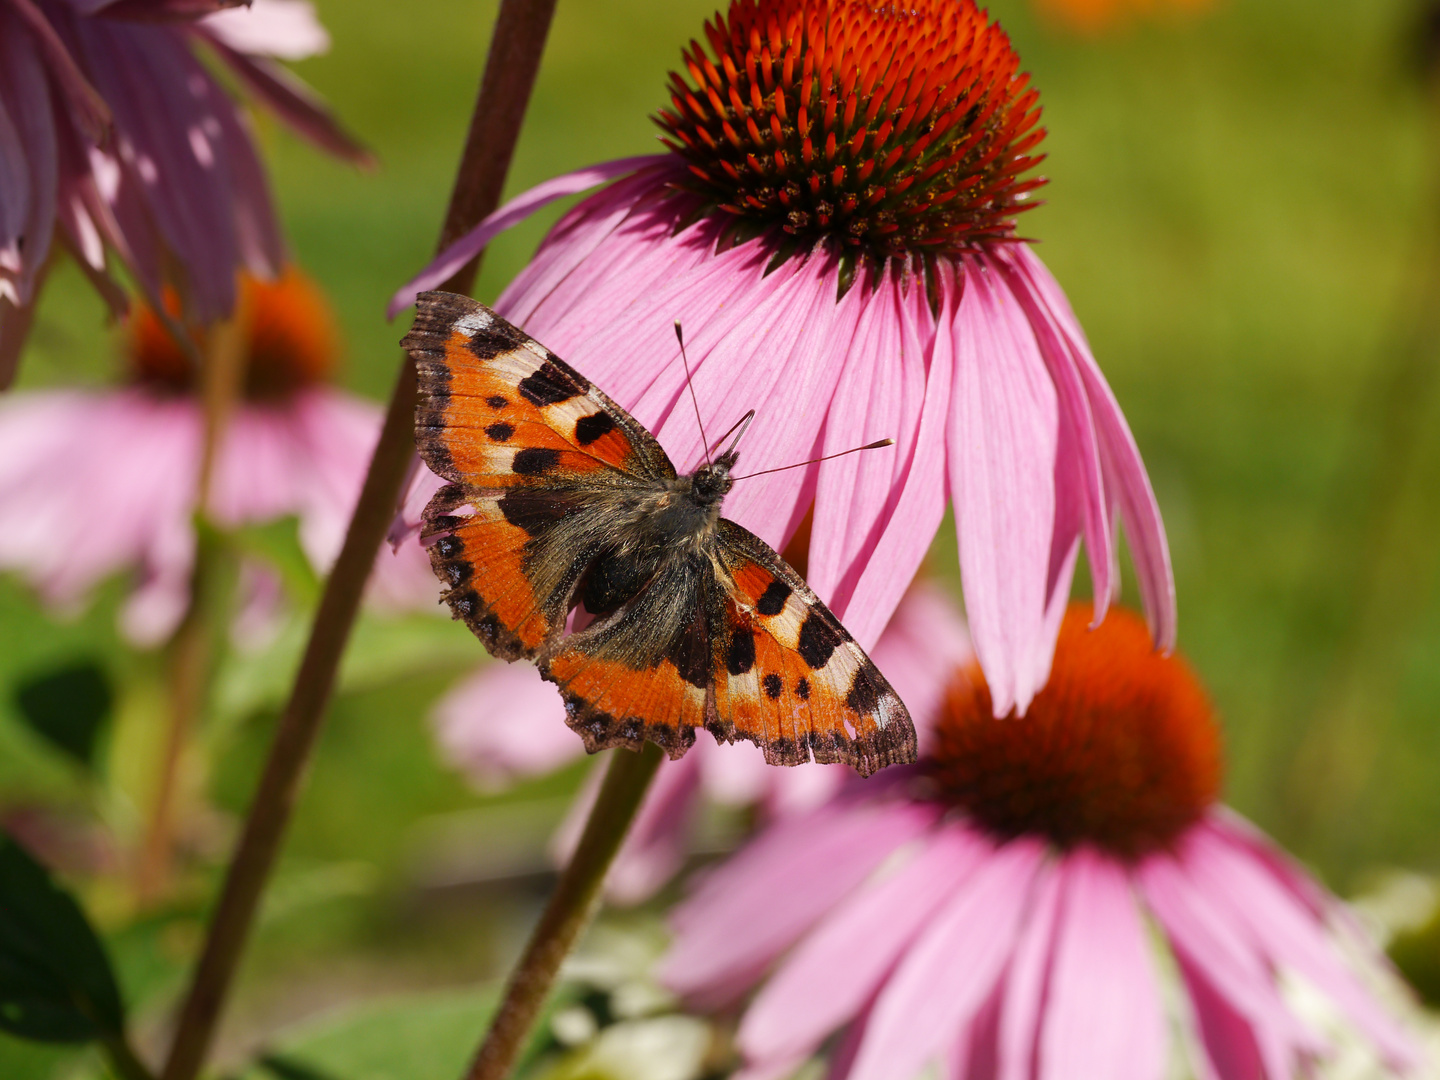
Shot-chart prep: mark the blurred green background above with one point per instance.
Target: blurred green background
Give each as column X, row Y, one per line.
column 1242, row 210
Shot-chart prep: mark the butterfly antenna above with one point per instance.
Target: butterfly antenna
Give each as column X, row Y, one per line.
column 690, row 384
column 812, row 461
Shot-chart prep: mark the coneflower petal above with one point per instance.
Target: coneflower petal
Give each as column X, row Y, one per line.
column 1103, row 1014
column 1001, row 445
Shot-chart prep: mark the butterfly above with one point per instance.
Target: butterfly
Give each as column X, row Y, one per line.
column 558, row 498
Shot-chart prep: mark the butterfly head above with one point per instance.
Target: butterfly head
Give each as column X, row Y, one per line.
column 712, row 482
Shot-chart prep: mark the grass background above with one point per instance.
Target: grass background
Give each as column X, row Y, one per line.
column 1241, row 210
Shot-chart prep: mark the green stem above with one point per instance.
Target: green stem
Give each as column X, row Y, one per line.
column 514, row 59
column 571, row 906
column 124, row 1061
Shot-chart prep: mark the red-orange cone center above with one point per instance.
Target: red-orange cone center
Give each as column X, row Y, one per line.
column 888, row 128
column 1120, row 749
column 291, row 341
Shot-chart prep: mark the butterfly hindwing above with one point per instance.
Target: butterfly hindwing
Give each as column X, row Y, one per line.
column 498, row 409
column 789, row 677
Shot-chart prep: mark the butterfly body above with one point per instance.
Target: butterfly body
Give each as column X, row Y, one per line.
column 560, row 501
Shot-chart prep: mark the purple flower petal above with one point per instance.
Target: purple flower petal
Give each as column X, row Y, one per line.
column 1103, row 1014
column 291, row 100
column 28, row 161
column 85, row 104
column 835, row 970
column 924, row 1003
column 731, row 929
column 284, row 29
column 444, row 265
column 1001, row 445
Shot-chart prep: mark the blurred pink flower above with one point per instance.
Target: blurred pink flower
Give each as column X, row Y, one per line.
column 1049, row 896
column 835, row 230
column 504, row 723
column 112, row 129
column 95, row 483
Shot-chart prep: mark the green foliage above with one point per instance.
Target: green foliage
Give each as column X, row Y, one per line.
column 56, row 984
column 68, row 706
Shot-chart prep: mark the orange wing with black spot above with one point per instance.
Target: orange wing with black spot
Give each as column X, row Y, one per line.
column 789, row 677
column 538, row 460
column 730, row 637
column 497, row 409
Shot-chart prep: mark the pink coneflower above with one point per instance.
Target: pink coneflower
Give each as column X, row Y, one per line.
column 114, row 137
column 835, row 228
column 94, row 483
column 504, row 723
column 1056, row 895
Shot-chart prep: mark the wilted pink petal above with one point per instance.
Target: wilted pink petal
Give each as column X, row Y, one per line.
column 109, row 124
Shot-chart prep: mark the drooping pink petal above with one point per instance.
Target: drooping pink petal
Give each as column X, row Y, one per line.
column 516, row 210
column 1001, row 447
column 880, row 394
column 1208, row 941
column 919, row 484
column 1289, row 934
column 1079, row 480
column 735, row 924
column 1104, row 1014
column 840, row 964
column 619, row 232
column 504, row 723
column 1125, row 478
column 930, row 996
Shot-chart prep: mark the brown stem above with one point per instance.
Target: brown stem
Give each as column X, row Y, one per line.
column 514, row 58
column 571, row 905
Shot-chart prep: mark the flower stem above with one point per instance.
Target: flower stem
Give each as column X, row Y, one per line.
column 123, row 1060
column 514, row 58
column 627, row 778
column 190, row 656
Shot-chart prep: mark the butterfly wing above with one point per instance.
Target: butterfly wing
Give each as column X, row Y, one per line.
column 541, row 463
column 731, row 637
column 787, row 674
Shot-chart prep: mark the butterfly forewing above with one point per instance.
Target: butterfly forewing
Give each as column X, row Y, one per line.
column 498, row 409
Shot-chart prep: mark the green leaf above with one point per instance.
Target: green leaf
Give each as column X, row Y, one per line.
column 67, row 707
column 56, row 984
column 278, row 543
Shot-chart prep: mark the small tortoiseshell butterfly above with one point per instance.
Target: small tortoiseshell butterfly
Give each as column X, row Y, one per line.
column 558, row 498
